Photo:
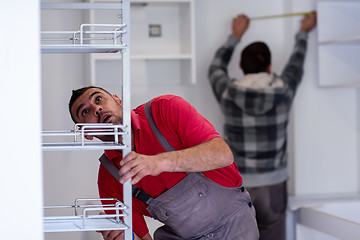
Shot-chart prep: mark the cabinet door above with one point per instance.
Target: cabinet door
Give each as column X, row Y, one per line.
column 338, row 21
column 339, row 43
column 339, row 65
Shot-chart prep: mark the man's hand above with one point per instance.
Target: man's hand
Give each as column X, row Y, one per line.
column 239, row 25
column 113, row 234
column 308, row 22
column 119, row 234
column 116, row 234
column 137, row 166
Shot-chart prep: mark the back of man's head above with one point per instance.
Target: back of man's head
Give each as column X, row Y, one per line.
column 255, row 58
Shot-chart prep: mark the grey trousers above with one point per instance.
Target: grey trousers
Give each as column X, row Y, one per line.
column 270, row 203
column 198, row 208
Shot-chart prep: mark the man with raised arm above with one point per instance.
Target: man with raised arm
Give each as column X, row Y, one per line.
column 257, row 109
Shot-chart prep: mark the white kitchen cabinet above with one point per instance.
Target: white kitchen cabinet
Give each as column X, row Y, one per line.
column 162, row 45
column 339, row 43
column 91, row 38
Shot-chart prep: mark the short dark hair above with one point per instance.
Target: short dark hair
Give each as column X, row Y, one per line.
column 255, row 58
column 77, row 93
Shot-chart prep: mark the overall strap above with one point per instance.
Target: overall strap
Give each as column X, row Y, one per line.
column 160, row 137
column 114, row 171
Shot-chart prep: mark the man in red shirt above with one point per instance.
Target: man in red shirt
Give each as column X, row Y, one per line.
column 190, row 187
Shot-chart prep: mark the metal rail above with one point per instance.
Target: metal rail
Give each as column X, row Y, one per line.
column 83, row 40
column 90, row 219
column 76, row 139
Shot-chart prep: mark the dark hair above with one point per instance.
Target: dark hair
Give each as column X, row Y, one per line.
column 255, row 58
column 77, row 93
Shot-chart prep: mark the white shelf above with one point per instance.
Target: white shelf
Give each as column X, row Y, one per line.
column 77, row 224
column 162, row 57
column 108, row 39
column 101, row 56
column 66, row 146
column 52, row 140
column 350, row 40
column 89, row 219
column 105, row 5
column 79, row 49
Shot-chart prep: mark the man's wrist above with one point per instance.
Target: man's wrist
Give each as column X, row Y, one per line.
column 233, row 40
column 302, row 35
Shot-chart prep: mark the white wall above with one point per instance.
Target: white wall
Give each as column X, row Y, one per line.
column 21, row 161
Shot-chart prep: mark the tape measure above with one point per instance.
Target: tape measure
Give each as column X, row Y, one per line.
column 281, row 15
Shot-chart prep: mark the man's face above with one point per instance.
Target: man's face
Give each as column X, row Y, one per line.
column 97, row 106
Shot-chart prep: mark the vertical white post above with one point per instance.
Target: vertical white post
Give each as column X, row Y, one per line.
column 192, row 43
column 126, row 111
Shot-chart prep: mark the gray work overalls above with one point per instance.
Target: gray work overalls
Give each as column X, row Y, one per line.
column 198, row 208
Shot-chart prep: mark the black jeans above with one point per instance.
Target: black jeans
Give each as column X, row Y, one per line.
column 270, row 203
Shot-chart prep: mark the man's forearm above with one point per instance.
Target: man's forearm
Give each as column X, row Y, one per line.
column 207, row 156
column 293, row 70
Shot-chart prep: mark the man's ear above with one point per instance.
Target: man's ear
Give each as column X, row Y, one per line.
column 268, row 69
column 117, row 99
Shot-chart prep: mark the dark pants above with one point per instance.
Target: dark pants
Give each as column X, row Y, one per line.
column 270, row 203
column 197, row 208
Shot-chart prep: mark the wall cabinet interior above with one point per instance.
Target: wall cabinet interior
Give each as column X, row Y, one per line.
column 162, row 45
column 339, row 43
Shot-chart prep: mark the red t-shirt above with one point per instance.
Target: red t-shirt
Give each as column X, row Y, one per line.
column 183, row 127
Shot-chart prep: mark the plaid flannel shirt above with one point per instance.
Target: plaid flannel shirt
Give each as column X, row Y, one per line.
column 256, row 119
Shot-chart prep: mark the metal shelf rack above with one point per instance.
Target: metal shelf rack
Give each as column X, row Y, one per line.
column 76, row 41
column 112, row 36
column 89, row 218
column 93, row 38
column 76, row 139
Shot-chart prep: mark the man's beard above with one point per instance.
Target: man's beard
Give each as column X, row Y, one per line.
column 115, row 119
